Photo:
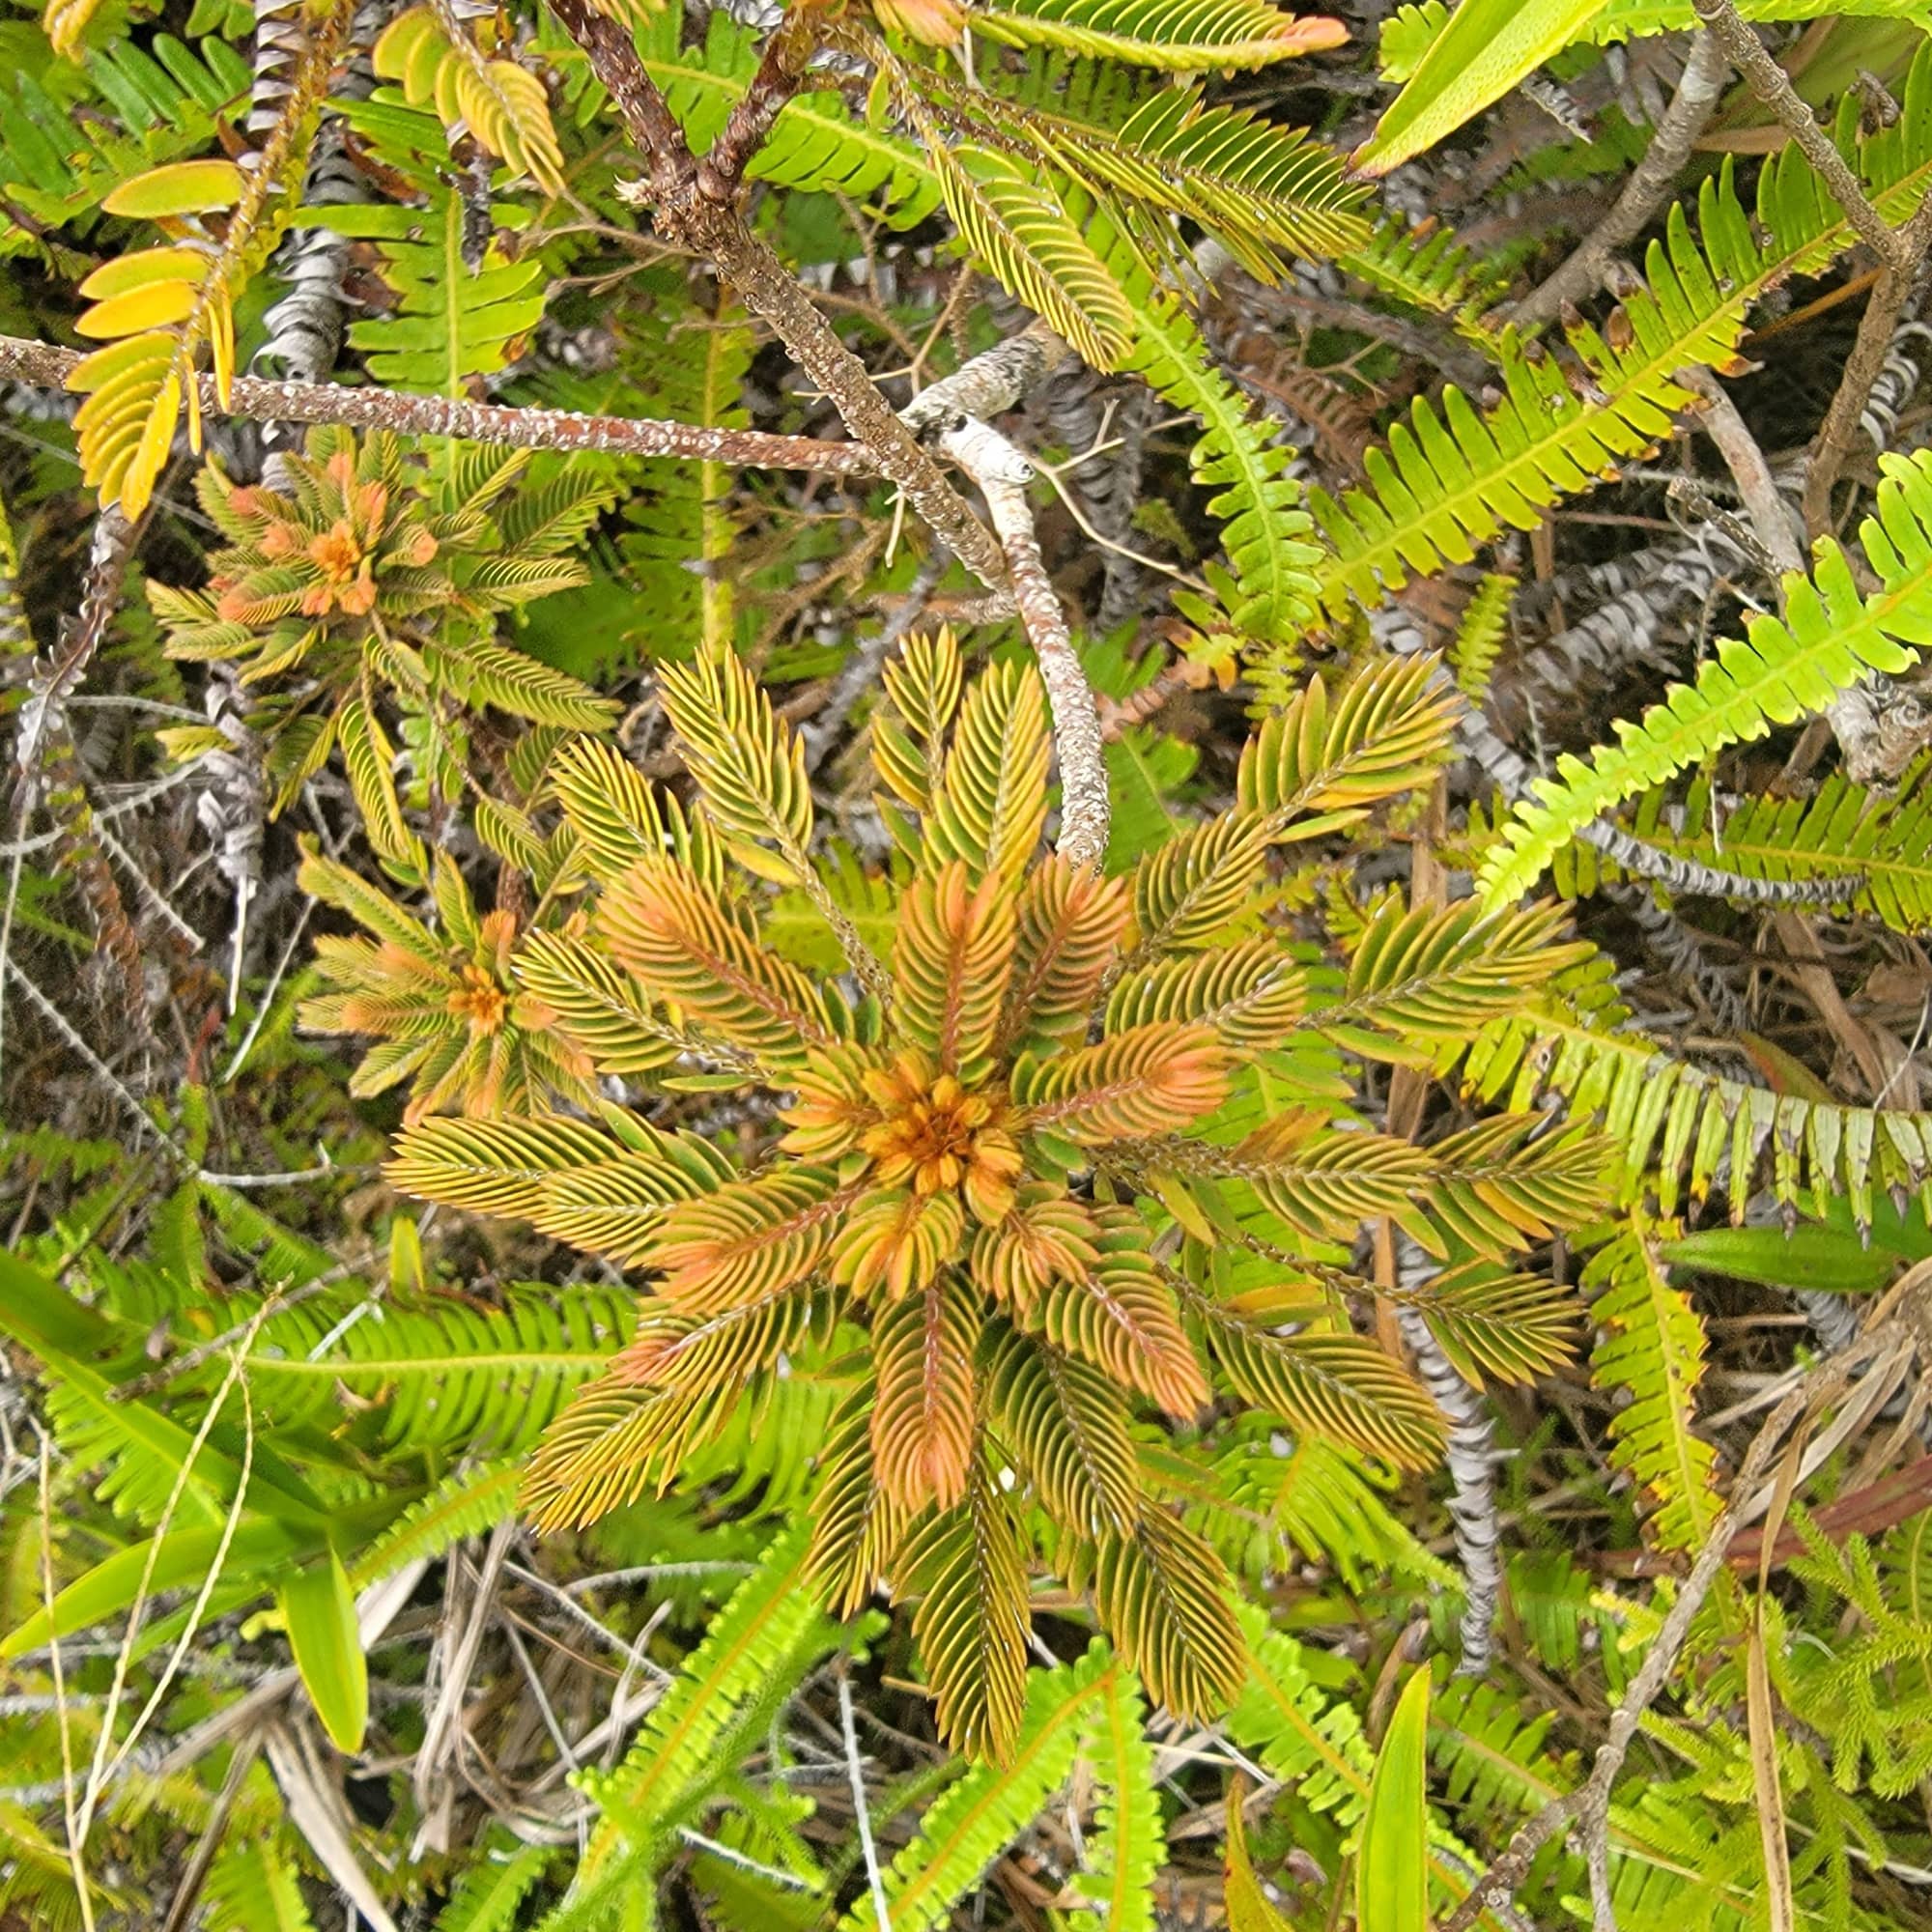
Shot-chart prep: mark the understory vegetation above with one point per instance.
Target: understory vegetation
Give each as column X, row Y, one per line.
column 964, row 964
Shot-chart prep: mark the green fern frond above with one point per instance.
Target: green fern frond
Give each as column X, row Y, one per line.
column 1831, row 636
column 754, row 1655
column 1451, row 478
column 445, row 1374
column 815, row 145
column 253, row 1886
column 1481, row 634
column 1269, row 588
column 469, row 1502
column 1127, row 1849
column 1651, row 1347
column 1426, row 267
column 1879, row 843
column 1676, row 1123
column 453, row 321
column 499, row 1877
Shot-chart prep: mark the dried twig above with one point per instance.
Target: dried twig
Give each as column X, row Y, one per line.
column 1653, row 179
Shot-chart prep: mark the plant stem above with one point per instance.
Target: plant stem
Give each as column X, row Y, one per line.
column 1003, row 475
column 1650, row 183
column 685, row 214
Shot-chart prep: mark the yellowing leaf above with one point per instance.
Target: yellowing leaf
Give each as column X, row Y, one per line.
column 1248, row 1906
column 319, row 1607
column 154, row 306
column 142, row 269
column 1488, row 47
column 182, row 187
column 1392, row 1855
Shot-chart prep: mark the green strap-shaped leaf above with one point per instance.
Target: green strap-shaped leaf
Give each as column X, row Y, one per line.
column 1488, row 47
column 319, row 1608
column 1392, row 1859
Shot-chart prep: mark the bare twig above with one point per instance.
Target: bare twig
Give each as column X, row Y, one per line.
column 685, row 215
column 1771, row 519
column 1772, row 86
column 875, row 1880
column 1652, row 179
column 1003, row 475
column 1588, row 1805
column 47, row 367
column 1838, row 437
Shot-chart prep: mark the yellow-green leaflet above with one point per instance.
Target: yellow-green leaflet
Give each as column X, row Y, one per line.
column 1248, row 1906
column 1487, row 46
column 1392, row 1859
column 319, row 1607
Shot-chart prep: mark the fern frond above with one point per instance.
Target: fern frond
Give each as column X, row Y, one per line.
column 971, row 1622
column 1879, row 842
column 1651, row 1345
column 253, row 1886
column 490, row 1894
column 1480, row 635
column 1128, row 1848
column 1269, row 589
column 748, row 766
column 1176, row 36
column 470, row 1502
column 1676, row 1123
column 1830, row 636
column 1452, row 480
column 754, row 1653
column 452, row 320
column 701, row 956
column 975, row 1820
column 1425, row 265
column 442, row 1373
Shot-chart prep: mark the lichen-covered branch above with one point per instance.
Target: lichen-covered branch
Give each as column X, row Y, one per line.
column 48, row 367
column 1003, row 475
